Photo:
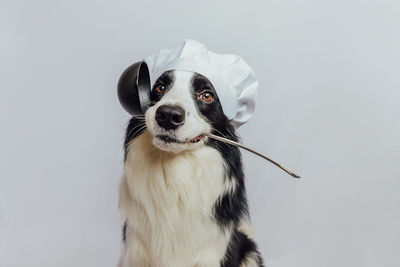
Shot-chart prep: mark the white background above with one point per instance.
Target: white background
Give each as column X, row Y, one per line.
column 328, row 109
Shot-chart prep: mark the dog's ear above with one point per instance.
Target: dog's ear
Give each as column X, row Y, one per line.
column 134, row 88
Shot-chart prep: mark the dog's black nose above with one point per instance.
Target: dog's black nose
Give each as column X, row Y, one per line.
column 170, row 117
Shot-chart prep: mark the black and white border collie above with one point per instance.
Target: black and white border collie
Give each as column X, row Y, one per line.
column 182, row 194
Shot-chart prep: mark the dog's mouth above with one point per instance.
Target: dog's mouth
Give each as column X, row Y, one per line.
column 196, row 139
column 170, row 139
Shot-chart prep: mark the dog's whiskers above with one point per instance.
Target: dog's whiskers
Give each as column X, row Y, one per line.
column 222, row 135
column 140, row 125
column 140, row 129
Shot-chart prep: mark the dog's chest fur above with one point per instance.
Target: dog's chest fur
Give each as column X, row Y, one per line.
column 168, row 202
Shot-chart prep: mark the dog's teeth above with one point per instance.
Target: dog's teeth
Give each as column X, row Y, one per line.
column 196, row 139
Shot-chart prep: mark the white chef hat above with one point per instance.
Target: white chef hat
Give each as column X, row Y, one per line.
column 234, row 81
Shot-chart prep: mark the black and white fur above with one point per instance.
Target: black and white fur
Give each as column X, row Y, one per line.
column 183, row 202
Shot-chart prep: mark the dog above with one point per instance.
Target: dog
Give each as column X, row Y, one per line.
column 182, row 195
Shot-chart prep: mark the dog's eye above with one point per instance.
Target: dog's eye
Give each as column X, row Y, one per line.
column 160, row 89
column 206, row 97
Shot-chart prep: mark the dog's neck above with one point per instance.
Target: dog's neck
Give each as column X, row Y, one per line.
column 175, row 179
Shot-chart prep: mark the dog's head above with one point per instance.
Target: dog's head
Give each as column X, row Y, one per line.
column 184, row 107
